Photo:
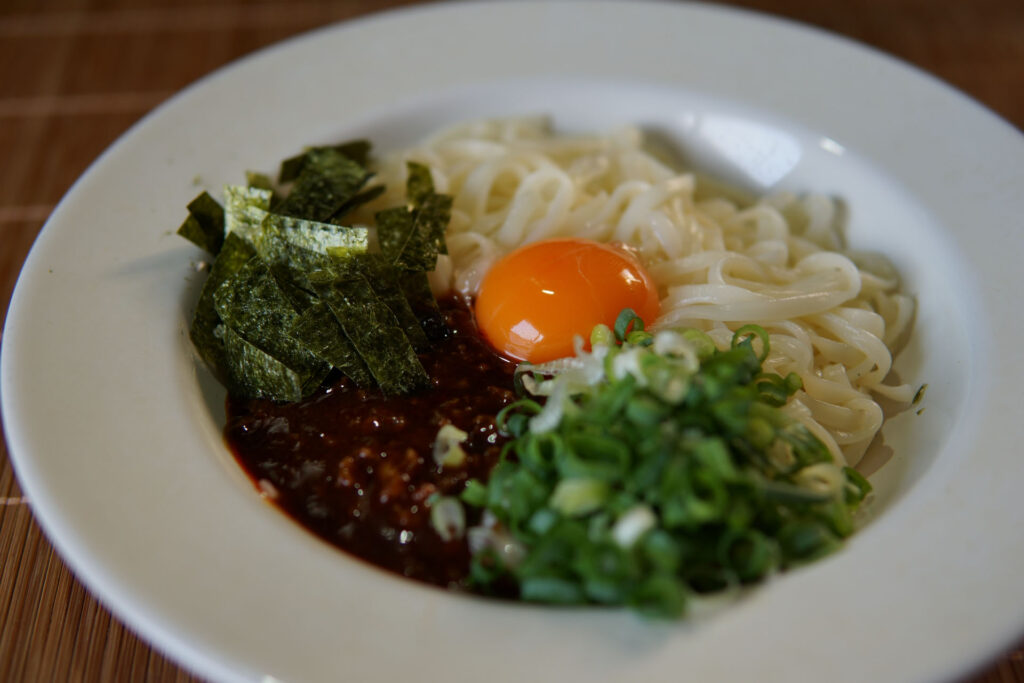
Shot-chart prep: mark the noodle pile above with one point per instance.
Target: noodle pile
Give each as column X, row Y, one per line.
column 834, row 318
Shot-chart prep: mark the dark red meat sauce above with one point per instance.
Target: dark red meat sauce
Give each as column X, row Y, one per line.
column 356, row 468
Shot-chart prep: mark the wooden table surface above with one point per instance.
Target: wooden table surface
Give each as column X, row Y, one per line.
column 75, row 74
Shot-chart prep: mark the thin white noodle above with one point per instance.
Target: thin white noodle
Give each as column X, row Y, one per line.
column 834, row 317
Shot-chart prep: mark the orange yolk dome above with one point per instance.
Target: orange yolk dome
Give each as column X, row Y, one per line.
column 534, row 300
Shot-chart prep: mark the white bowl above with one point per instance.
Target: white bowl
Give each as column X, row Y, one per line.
column 116, row 436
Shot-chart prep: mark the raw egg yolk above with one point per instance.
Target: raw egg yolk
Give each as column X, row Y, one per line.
column 534, row 300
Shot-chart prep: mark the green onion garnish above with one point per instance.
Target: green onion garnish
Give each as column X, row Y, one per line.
column 674, row 474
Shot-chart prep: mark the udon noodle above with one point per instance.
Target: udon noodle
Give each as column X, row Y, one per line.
column 834, row 318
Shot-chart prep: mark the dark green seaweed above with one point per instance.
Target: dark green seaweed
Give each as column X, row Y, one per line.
column 252, row 305
column 375, row 332
column 255, row 373
column 356, row 150
column 419, row 184
column 294, row 293
column 244, row 209
column 327, row 181
column 384, row 279
column 204, row 226
column 412, row 238
column 318, row 330
column 416, row 287
column 294, row 247
column 234, row 253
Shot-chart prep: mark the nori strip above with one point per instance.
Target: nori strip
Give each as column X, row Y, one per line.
column 416, row 288
column 291, row 168
column 413, row 239
column 244, row 210
column 260, row 181
column 356, row 150
column 252, row 304
column 292, row 295
column 281, row 233
column 435, row 210
column 255, row 373
column 419, row 185
column 383, row 278
column 293, row 248
column 401, row 241
column 204, row 226
column 328, row 180
column 394, row 227
column 234, row 253
column 375, row 333
column 432, row 220
column 318, row 330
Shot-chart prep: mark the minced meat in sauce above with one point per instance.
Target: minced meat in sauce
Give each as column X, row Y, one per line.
column 357, row 468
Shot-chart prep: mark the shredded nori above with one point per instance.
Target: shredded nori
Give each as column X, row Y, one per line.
column 356, row 150
column 416, row 287
column 432, row 220
column 294, row 247
column 434, row 209
column 279, row 234
column 252, row 305
column 318, row 330
column 260, row 181
column 375, row 332
column 204, row 226
column 295, row 293
column 394, row 230
column 411, row 238
column 245, row 208
column 420, row 185
column 384, row 279
column 327, row 181
column 233, row 254
column 258, row 375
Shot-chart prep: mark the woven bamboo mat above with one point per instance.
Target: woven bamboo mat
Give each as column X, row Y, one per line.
column 75, row 74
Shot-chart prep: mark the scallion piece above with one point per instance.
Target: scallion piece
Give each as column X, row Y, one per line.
column 674, row 473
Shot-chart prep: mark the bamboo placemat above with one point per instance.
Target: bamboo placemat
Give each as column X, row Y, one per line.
column 75, row 74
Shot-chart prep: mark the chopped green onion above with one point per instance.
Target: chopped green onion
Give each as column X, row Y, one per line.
column 626, row 321
column 577, row 497
column 743, row 335
column 448, row 450
column 636, row 522
column 674, row 472
column 602, row 334
column 448, row 518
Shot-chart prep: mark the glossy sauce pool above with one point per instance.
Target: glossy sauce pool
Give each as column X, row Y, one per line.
column 356, row 468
